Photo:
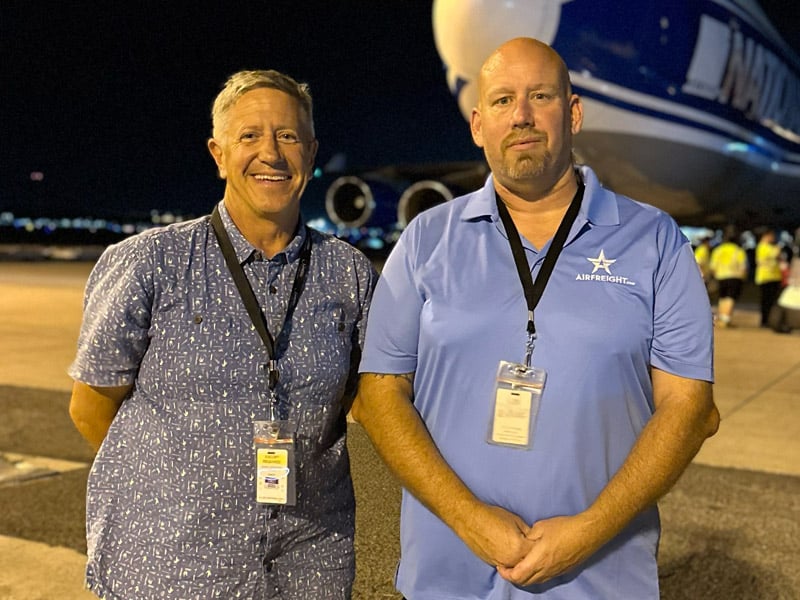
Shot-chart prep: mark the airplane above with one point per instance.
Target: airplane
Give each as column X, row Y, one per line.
column 693, row 107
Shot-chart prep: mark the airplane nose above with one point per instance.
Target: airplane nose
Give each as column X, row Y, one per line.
column 467, row 31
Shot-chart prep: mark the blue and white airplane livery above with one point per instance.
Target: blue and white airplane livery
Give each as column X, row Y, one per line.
column 691, row 106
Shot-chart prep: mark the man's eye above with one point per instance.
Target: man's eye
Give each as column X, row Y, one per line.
column 503, row 101
column 248, row 137
column 287, row 137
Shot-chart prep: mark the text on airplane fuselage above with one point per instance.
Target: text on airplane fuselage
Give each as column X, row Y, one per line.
column 749, row 78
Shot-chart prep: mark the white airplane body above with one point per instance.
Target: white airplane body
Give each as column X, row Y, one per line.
column 693, row 106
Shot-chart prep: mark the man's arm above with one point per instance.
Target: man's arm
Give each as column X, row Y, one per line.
column 93, row 408
column 685, row 415
column 384, row 408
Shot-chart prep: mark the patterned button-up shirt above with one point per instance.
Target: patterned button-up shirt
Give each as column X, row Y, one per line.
column 171, row 508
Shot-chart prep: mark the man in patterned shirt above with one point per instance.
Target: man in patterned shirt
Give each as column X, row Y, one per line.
column 173, row 372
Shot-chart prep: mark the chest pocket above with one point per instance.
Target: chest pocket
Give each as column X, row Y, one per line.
column 200, row 346
column 316, row 355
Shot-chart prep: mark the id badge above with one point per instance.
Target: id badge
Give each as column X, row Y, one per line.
column 517, row 393
column 274, row 445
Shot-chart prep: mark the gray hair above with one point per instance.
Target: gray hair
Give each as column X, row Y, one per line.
column 242, row 82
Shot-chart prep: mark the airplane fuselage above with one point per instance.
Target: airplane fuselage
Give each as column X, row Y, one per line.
column 691, row 106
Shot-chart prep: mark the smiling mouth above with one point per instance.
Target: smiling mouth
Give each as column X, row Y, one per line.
column 276, row 178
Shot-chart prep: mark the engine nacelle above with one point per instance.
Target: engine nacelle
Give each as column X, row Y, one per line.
column 374, row 201
column 352, row 202
column 420, row 197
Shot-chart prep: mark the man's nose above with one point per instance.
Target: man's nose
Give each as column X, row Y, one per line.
column 523, row 113
column 269, row 150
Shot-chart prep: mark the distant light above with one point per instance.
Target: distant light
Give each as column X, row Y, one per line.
column 321, row 224
column 737, row 147
column 375, row 244
column 37, row 176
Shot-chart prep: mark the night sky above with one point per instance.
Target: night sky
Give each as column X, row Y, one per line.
column 110, row 102
column 112, row 105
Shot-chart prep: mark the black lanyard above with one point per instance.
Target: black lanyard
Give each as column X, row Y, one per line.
column 533, row 291
column 249, row 298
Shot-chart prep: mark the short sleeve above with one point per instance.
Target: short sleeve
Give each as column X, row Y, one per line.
column 116, row 315
column 682, row 322
column 393, row 325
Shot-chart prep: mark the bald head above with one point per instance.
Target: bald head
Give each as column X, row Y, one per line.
column 520, row 52
column 526, row 117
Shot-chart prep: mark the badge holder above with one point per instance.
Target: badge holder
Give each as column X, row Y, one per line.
column 518, row 391
column 274, row 444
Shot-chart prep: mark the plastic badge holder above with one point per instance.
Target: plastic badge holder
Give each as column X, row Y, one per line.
column 274, row 443
column 518, row 392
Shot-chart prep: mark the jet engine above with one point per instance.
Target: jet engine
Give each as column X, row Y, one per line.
column 419, row 197
column 389, row 198
column 353, row 202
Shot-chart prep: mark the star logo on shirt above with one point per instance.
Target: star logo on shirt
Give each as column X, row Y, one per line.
column 601, row 262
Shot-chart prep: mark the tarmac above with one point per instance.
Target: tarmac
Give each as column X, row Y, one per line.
column 731, row 524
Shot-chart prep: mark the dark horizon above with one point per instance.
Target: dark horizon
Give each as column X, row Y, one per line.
column 109, row 113
column 106, row 114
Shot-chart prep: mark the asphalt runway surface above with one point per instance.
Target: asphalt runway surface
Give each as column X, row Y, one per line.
column 728, row 533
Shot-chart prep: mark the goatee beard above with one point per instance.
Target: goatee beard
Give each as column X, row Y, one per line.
column 526, row 165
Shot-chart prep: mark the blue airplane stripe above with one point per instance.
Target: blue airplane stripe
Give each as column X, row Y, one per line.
column 683, row 121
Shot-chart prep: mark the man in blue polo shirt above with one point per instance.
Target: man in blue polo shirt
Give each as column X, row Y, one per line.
column 535, row 411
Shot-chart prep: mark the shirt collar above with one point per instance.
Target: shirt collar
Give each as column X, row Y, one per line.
column 246, row 252
column 598, row 206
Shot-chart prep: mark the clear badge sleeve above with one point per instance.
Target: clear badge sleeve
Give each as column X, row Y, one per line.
column 517, row 393
column 274, row 452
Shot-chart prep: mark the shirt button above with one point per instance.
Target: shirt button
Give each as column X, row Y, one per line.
column 273, row 289
column 198, row 319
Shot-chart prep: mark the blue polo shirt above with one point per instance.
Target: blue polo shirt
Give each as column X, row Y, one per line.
column 625, row 295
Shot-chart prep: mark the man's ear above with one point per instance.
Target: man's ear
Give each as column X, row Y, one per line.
column 576, row 113
column 475, row 127
column 216, row 153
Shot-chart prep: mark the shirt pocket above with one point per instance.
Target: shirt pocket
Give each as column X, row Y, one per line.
column 319, row 356
column 199, row 353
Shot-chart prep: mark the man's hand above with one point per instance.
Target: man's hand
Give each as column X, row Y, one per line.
column 685, row 415
column 496, row 536
column 384, row 408
column 558, row 545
